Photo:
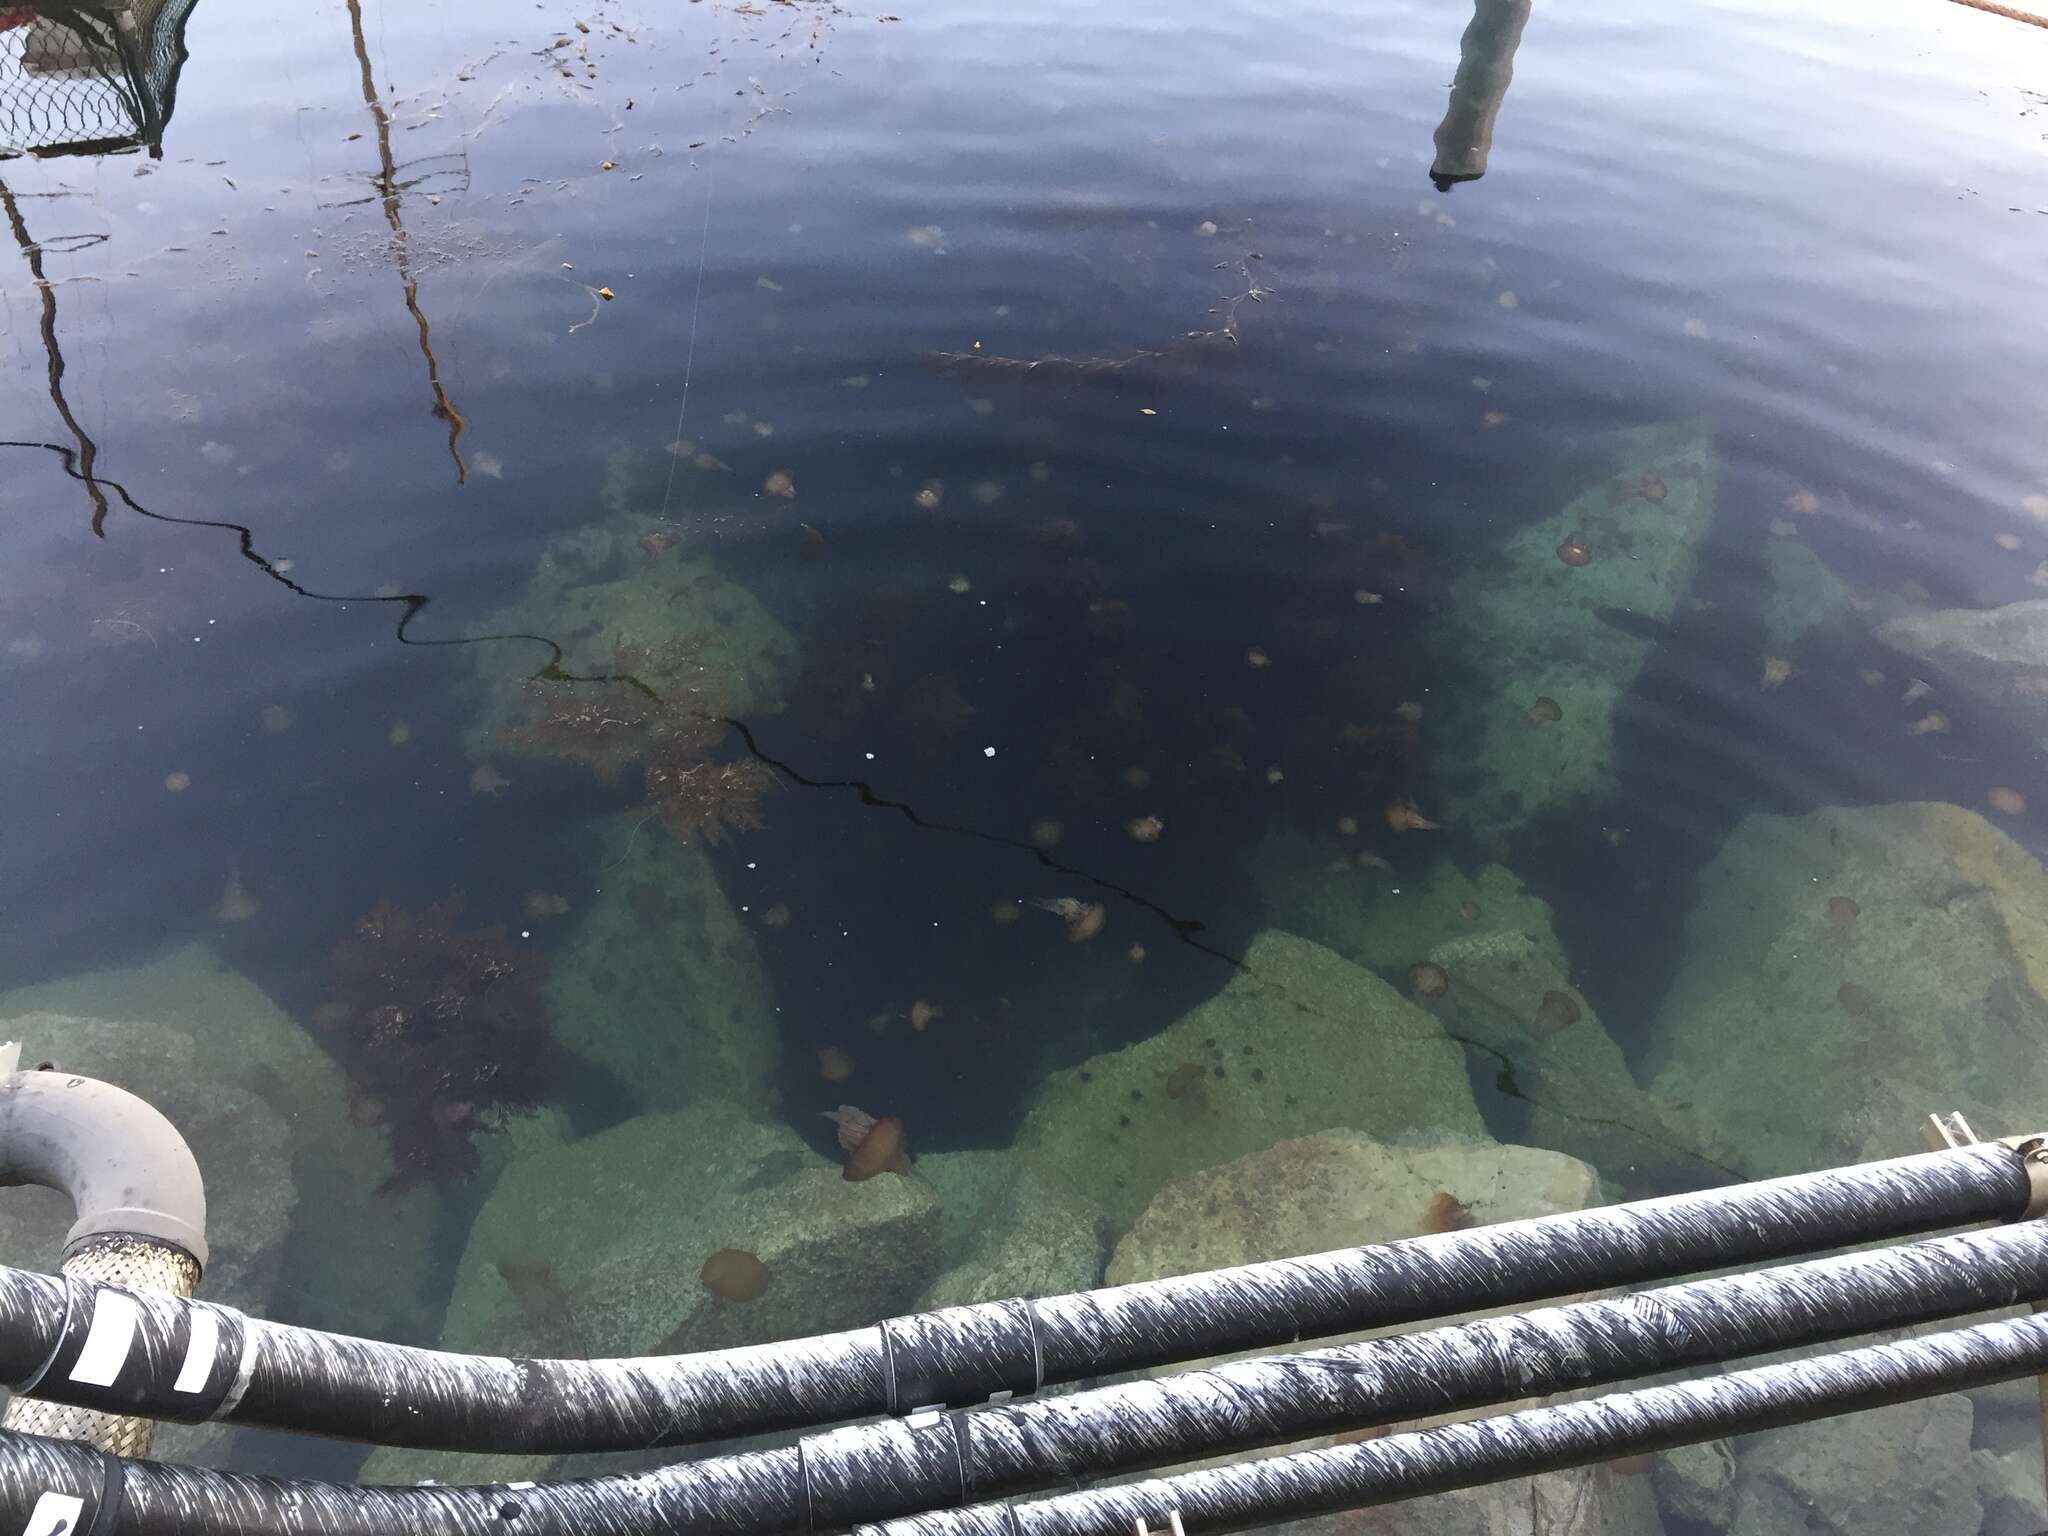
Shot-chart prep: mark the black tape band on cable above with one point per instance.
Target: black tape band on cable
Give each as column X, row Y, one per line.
column 999, row 1357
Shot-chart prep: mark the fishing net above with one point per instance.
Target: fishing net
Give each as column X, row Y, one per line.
column 87, row 77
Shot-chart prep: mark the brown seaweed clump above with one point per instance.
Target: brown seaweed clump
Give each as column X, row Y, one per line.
column 1546, row 710
column 443, row 1033
column 1446, row 1213
column 659, row 712
column 734, row 1274
column 1185, row 1079
column 1842, row 913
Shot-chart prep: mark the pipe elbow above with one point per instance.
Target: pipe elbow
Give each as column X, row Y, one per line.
column 124, row 1166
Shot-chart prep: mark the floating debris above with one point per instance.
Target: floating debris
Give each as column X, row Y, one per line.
column 709, row 460
column 236, row 905
column 1803, row 502
column 1136, row 953
column 1933, row 723
column 2007, row 541
column 1274, row 774
column 959, row 585
column 923, row 1015
column 1402, row 816
column 732, row 1274
column 924, row 236
column 811, row 543
column 177, row 782
column 486, row 780
column 1546, row 710
column 1347, row 826
column 1777, row 672
column 276, row 719
column 1491, row 419
column 2007, row 802
column 1047, row 832
column 776, row 916
column 1145, row 829
column 1508, row 299
column 1872, row 678
column 399, row 734
column 780, row 484
column 1206, row 229
column 1410, row 712
column 1428, row 979
column 1696, row 329
column 657, row 542
column 929, row 495
column 1256, row 658
column 834, row 1064
column 1574, row 552
column 1084, row 919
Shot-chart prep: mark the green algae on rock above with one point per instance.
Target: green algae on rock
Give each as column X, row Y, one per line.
column 1509, row 996
column 1300, row 1040
column 660, row 954
column 1338, row 1189
column 1529, row 624
column 1816, row 1042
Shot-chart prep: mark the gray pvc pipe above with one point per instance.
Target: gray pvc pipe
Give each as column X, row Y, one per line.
column 126, row 1168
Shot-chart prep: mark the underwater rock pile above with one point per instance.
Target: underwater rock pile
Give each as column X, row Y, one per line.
column 1300, row 1040
column 2000, row 654
column 1567, row 609
column 1011, row 1229
column 1849, row 971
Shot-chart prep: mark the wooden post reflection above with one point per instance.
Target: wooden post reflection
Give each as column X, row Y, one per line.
column 1486, row 63
column 389, row 191
column 88, row 450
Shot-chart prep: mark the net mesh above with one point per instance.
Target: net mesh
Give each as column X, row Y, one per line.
column 88, row 76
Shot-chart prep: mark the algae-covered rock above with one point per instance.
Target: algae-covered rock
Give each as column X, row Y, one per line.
column 1037, row 1237
column 1510, row 999
column 1999, row 653
column 596, row 1247
column 1854, row 960
column 660, row 982
column 1897, row 1471
column 1534, row 623
column 1339, row 1189
column 1300, row 1040
column 1561, row 1073
column 1696, row 1484
column 600, row 590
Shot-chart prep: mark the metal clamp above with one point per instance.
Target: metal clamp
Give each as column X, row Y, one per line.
column 1951, row 1131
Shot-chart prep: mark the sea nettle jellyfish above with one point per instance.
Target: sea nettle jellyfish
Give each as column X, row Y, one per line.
column 871, row 1145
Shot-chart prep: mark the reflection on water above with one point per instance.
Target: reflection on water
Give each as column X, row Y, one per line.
column 686, row 678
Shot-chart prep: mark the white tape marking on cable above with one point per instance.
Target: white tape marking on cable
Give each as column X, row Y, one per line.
column 199, row 1350
column 55, row 1514
column 114, row 1317
column 245, row 1368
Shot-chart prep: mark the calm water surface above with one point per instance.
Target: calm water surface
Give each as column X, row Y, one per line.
column 1088, row 432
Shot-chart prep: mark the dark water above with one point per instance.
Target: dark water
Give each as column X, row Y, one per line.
column 1815, row 236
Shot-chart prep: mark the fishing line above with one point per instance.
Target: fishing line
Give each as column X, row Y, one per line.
column 690, row 353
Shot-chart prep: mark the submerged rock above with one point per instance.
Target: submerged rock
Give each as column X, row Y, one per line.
column 2001, row 653
column 1300, row 1040
column 1898, row 1471
column 1803, row 595
column 661, row 955
column 1527, row 623
column 1816, row 1037
column 1339, row 1189
column 1508, row 997
column 1037, row 1237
